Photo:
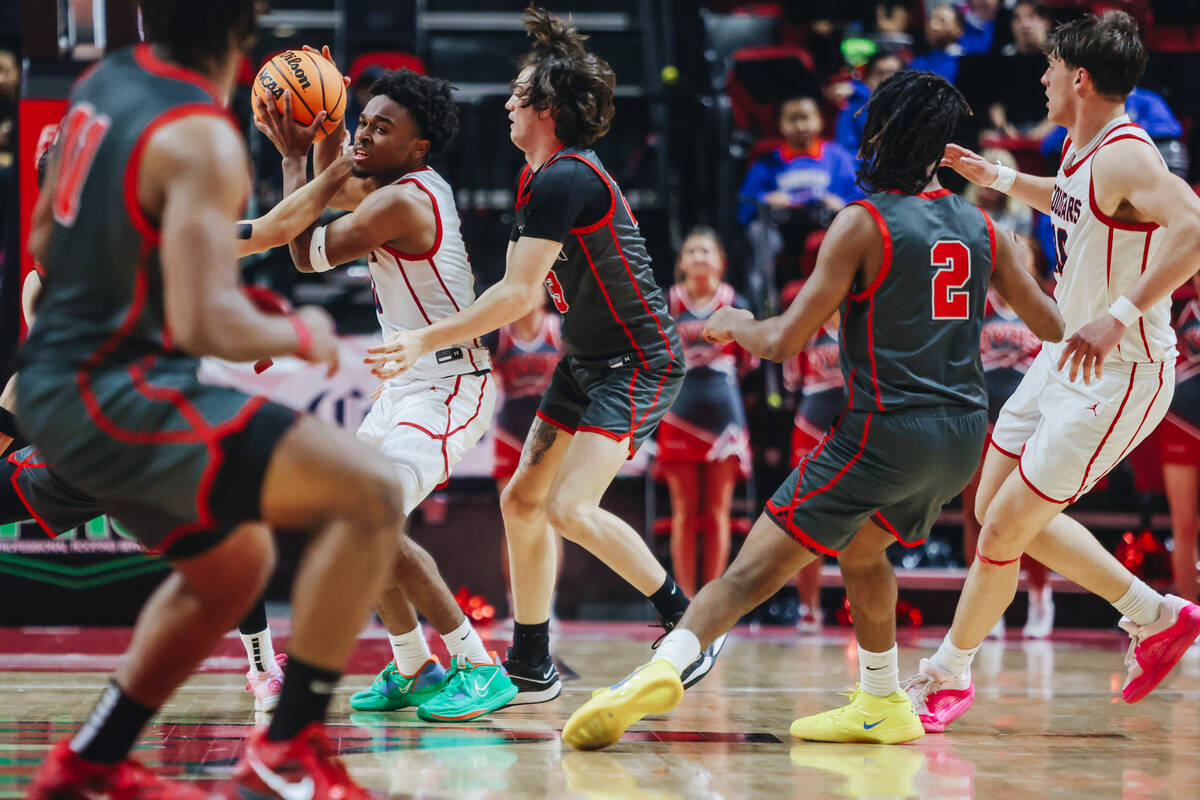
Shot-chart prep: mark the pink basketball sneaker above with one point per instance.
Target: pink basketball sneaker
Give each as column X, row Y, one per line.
column 1155, row 649
column 939, row 697
column 266, row 685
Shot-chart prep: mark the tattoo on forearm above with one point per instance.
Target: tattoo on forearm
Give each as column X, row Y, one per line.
column 541, row 437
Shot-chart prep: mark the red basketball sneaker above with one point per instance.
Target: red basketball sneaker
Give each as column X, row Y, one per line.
column 301, row 768
column 1155, row 649
column 66, row 776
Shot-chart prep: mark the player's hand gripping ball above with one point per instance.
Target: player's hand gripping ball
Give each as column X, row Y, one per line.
column 315, row 83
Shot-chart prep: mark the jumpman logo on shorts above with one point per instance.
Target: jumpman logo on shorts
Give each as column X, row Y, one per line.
column 1092, row 408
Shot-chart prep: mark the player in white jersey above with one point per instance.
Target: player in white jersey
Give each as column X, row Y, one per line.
column 403, row 221
column 1127, row 234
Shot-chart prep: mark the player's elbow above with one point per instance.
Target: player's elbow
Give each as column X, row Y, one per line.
column 199, row 327
column 190, row 334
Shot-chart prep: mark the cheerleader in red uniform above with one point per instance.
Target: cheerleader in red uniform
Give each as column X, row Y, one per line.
column 1180, row 438
column 816, row 374
column 703, row 442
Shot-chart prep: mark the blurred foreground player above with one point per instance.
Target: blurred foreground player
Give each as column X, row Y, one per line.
column 30, row 490
column 148, row 180
column 1128, row 234
column 574, row 233
column 910, row 266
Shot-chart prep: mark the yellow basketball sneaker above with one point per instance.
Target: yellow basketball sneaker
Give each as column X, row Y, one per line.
column 866, row 718
column 652, row 688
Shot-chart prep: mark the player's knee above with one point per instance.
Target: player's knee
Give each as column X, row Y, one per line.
column 564, row 515
column 998, row 541
column 377, row 504
column 517, row 503
column 981, row 507
column 854, row 559
column 412, row 559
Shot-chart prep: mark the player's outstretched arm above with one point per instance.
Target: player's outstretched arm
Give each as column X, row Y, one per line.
column 512, row 297
column 193, row 178
column 293, row 215
column 1014, row 283
column 1033, row 190
column 1131, row 184
column 850, row 240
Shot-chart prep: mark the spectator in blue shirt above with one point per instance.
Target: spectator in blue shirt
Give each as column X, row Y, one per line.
column 979, row 26
column 942, row 32
column 804, row 171
column 880, row 67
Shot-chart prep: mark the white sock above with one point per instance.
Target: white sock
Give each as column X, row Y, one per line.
column 465, row 641
column 879, row 673
column 259, row 650
column 1042, row 596
column 949, row 658
column 679, row 648
column 1140, row 603
column 410, row 650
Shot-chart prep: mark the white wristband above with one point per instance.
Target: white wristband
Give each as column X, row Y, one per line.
column 1125, row 311
column 316, row 251
column 1005, row 178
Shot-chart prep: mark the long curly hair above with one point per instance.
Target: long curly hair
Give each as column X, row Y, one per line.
column 910, row 119
column 429, row 101
column 196, row 33
column 573, row 84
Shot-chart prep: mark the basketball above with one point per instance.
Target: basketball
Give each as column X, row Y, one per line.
column 315, row 83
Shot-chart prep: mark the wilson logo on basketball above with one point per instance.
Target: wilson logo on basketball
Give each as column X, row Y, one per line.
column 293, row 62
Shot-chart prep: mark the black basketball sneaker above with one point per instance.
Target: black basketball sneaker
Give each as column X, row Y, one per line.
column 535, row 684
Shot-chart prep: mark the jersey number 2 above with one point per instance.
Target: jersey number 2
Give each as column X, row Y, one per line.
column 950, row 299
column 82, row 132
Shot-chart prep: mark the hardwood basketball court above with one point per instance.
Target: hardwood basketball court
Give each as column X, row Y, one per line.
column 1048, row 722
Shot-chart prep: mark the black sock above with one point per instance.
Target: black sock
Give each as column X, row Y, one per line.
column 110, row 730
column 531, row 643
column 669, row 600
column 256, row 620
column 304, row 699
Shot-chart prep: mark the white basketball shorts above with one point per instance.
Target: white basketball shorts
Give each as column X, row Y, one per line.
column 425, row 427
column 1068, row 435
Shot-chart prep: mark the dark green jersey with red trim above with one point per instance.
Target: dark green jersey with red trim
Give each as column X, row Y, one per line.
column 102, row 299
column 910, row 340
column 603, row 282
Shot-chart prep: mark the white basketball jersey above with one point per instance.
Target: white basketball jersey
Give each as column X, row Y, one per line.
column 415, row 290
column 1099, row 258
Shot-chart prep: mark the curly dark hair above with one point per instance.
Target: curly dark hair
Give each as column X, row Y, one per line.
column 577, row 86
column 910, row 119
column 194, row 33
column 1106, row 45
column 429, row 100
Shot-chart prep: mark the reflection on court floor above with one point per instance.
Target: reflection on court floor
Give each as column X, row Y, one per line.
column 1048, row 722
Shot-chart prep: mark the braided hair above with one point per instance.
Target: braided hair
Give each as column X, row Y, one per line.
column 910, row 119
